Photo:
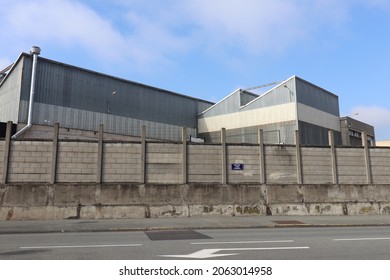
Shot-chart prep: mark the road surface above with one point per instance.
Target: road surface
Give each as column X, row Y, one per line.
column 307, row 243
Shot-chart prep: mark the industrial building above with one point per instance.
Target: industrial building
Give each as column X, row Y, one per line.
column 81, row 99
column 352, row 132
column 294, row 104
column 36, row 92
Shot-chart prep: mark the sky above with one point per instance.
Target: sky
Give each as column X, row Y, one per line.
column 209, row 48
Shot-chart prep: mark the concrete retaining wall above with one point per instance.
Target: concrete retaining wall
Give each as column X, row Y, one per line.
column 42, row 179
column 97, row 201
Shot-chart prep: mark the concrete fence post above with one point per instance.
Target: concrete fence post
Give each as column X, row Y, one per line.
column 298, row 158
column 100, row 155
column 184, row 155
column 261, row 156
column 7, row 152
column 367, row 157
column 333, row 157
column 143, row 154
column 224, row 163
column 54, row 153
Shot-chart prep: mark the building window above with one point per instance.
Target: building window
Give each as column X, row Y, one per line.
column 354, row 133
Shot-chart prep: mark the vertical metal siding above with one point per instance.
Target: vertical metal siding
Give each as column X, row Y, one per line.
column 317, row 97
column 45, row 114
column 10, row 91
column 66, row 86
column 82, row 99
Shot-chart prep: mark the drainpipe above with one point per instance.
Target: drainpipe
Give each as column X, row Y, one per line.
column 35, row 51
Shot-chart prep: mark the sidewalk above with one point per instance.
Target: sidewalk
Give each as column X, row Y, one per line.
column 209, row 222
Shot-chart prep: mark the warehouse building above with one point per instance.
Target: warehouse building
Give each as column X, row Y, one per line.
column 81, row 99
column 36, row 92
column 294, row 104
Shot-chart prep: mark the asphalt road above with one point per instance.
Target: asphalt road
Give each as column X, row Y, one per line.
column 306, row 243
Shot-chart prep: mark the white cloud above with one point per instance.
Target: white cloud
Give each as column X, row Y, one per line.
column 151, row 32
column 377, row 116
column 61, row 22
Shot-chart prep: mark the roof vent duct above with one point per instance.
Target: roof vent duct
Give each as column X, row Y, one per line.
column 35, row 51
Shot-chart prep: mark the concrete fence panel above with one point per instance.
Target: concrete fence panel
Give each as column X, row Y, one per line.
column 280, row 164
column 77, row 161
column 121, row 162
column 204, row 163
column 351, row 165
column 380, row 165
column 163, row 163
column 316, row 165
column 30, row 161
column 243, row 164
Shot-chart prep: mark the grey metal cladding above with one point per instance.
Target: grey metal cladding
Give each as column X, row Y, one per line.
column 204, row 105
column 230, row 104
column 64, row 85
column 310, row 134
column 10, row 90
column 316, row 97
column 274, row 133
column 276, row 96
column 246, row 97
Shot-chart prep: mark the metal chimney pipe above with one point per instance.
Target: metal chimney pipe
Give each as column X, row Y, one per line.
column 35, row 51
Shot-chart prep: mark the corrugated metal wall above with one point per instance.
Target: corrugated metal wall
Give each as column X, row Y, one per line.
column 82, row 99
column 230, row 104
column 276, row 96
column 9, row 94
column 316, row 97
column 275, row 133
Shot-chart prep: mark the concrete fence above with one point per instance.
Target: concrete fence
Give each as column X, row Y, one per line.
column 60, row 179
column 71, row 161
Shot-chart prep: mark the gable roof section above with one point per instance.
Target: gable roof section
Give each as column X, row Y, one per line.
column 230, row 103
column 242, row 100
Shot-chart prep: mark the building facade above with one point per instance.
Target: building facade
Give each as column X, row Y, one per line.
column 81, row 99
column 352, row 132
column 36, row 92
column 294, row 104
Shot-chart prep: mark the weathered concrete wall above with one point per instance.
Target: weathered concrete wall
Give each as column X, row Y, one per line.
column 280, row 164
column 163, row 163
column 143, row 161
column 121, row 162
column 77, row 162
column 249, row 157
column 31, row 161
column 204, row 163
column 316, row 165
column 350, row 166
column 44, row 179
column 62, row 201
column 380, row 165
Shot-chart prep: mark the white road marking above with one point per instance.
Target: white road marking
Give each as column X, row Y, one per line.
column 242, row 242
column 210, row 253
column 81, row 246
column 362, row 239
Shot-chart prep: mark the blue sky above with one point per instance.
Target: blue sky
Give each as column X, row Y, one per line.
column 209, row 48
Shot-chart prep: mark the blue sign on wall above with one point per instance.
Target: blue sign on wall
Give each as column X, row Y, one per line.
column 237, row 166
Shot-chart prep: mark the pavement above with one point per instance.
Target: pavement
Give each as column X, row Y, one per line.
column 196, row 222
